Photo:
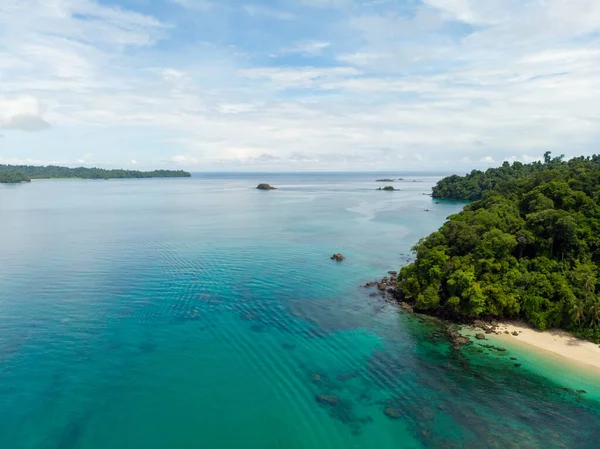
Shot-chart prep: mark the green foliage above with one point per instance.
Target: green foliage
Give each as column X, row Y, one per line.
column 527, row 248
column 13, row 177
column 53, row 171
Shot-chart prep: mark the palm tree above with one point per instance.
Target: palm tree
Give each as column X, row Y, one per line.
column 594, row 313
column 577, row 312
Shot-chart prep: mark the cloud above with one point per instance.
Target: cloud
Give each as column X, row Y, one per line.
column 299, row 76
column 26, row 122
column 85, row 159
column 327, row 3
column 198, row 5
column 183, row 160
column 356, row 84
column 267, row 12
column 309, row 48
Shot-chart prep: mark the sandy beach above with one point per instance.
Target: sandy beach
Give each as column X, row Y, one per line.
column 554, row 342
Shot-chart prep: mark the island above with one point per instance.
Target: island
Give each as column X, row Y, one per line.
column 527, row 248
column 385, row 180
column 265, row 187
column 387, row 188
column 21, row 173
column 13, row 177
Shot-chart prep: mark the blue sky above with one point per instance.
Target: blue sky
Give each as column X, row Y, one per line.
column 297, row 85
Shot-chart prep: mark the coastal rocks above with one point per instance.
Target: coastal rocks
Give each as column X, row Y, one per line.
column 515, row 333
column 337, row 257
column 387, row 288
column 387, row 188
column 315, row 377
column 480, row 336
column 457, row 339
column 266, row 187
column 462, row 340
column 406, row 306
column 327, row 399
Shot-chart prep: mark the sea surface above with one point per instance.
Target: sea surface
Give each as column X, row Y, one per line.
column 203, row 313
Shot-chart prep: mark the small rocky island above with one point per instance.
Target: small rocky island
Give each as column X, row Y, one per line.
column 385, row 180
column 265, row 187
column 387, row 188
column 338, row 257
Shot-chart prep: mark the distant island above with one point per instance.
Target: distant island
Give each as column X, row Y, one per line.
column 13, row 177
column 527, row 248
column 25, row 173
column 266, row 187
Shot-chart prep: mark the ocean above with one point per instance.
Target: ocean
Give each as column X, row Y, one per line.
column 203, row 313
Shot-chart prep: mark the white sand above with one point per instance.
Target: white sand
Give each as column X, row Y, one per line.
column 555, row 342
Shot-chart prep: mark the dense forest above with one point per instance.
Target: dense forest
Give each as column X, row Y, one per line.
column 54, row 171
column 528, row 248
column 472, row 186
column 13, row 177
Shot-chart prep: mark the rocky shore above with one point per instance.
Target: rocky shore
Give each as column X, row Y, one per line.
column 388, row 290
column 462, row 331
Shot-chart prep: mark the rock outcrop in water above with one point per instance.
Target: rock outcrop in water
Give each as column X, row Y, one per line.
column 265, row 187
column 338, row 257
column 393, row 412
column 387, row 188
column 327, row 399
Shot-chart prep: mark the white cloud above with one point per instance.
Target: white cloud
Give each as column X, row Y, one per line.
column 521, row 78
column 298, row 76
column 26, row 122
column 22, row 113
column 198, row 5
column 85, row 159
column 309, row 48
column 327, row 3
column 265, row 11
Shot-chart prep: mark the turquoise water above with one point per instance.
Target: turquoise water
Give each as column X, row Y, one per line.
column 202, row 313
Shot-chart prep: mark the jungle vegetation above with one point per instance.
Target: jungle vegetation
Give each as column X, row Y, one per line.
column 54, row 171
column 528, row 248
column 13, row 177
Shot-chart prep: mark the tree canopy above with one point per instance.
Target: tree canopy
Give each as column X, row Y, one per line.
column 528, row 248
column 13, row 177
column 54, row 171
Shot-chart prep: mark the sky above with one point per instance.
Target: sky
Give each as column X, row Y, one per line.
column 300, row 85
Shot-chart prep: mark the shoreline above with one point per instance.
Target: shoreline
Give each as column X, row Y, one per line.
column 555, row 343
column 575, row 353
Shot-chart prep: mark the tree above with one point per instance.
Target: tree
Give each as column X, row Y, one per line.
column 577, row 312
column 527, row 247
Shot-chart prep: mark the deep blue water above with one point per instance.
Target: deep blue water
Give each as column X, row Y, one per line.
column 203, row 313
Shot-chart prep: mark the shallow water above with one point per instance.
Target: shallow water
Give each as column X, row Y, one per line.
column 187, row 313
